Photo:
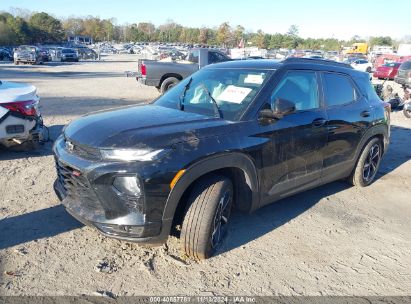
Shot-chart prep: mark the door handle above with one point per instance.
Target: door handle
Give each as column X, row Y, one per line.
column 319, row 122
column 365, row 113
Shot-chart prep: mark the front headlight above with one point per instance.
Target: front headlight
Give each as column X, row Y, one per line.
column 129, row 155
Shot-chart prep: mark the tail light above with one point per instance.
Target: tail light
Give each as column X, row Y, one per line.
column 27, row 108
column 143, row 70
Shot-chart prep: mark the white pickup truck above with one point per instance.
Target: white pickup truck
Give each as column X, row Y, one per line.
column 20, row 119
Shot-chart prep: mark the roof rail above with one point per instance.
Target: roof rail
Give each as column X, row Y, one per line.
column 317, row 61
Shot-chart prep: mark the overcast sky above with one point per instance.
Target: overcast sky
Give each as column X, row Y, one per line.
column 315, row 18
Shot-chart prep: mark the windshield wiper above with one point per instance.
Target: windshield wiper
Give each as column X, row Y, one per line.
column 217, row 111
column 183, row 95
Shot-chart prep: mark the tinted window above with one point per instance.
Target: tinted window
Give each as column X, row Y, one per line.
column 299, row 87
column 193, row 57
column 405, row 65
column 214, row 57
column 338, row 89
column 364, row 83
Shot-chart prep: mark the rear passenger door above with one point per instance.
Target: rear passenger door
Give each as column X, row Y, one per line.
column 349, row 116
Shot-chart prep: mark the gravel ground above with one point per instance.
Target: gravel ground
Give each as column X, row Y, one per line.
column 334, row 240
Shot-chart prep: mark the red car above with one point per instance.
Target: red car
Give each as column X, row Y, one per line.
column 388, row 70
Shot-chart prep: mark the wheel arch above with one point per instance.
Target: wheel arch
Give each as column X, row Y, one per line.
column 168, row 75
column 228, row 164
column 379, row 131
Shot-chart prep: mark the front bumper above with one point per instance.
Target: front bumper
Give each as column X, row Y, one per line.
column 85, row 189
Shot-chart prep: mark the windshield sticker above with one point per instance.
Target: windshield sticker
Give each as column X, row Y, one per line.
column 254, row 79
column 234, row 94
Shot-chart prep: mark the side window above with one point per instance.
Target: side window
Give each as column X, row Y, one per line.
column 299, row 87
column 193, row 57
column 338, row 89
column 214, row 57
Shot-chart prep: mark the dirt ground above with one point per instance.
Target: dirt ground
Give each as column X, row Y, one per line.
column 334, row 240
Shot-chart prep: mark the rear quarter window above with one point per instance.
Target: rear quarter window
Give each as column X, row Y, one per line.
column 338, row 89
column 367, row 89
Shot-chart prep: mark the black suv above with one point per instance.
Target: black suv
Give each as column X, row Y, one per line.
column 239, row 134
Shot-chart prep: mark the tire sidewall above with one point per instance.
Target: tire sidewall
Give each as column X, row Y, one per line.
column 168, row 83
column 198, row 224
column 227, row 186
column 358, row 174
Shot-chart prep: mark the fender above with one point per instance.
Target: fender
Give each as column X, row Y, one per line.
column 202, row 167
column 380, row 129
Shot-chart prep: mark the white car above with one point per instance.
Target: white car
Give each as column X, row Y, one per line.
column 362, row 65
column 20, row 119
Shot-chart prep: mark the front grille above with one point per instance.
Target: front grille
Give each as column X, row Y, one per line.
column 76, row 187
column 82, row 151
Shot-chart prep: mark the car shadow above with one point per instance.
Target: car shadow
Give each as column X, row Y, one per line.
column 35, row 225
column 398, row 150
column 45, row 149
column 245, row 228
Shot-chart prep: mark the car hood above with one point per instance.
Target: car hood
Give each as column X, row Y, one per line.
column 13, row 91
column 143, row 126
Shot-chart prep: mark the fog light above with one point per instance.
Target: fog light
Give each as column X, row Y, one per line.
column 121, row 230
column 128, row 185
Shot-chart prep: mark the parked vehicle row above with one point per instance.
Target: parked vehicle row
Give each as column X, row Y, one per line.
column 35, row 55
column 165, row 75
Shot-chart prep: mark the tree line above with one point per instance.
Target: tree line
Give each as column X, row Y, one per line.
column 25, row 27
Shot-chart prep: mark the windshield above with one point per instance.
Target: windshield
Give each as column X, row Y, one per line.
column 393, row 64
column 224, row 93
column 67, row 51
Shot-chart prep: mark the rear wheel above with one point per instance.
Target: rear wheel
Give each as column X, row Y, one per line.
column 368, row 70
column 206, row 219
column 407, row 112
column 368, row 164
column 168, row 83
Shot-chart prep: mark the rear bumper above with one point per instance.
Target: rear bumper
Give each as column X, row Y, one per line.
column 147, row 82
column 85, row 189
column 31, row 129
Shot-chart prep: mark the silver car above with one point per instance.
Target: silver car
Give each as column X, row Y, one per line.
column 69, row 55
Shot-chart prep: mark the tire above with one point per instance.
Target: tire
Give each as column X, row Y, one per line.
column 168, row 83
column 407, row 113
column 368, row 70
column 16, row 62
column 207, row 216
column 367, row 165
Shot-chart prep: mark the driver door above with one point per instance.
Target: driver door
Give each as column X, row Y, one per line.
column 293, row 154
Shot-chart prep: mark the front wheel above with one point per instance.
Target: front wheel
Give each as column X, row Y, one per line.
column 368, row 164
column 368, row 70
column 205, row 222
column 407, row 112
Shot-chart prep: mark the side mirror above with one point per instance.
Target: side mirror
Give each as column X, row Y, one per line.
column 280, row 108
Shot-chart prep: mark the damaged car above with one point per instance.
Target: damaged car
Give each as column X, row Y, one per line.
column 20, row 121
column 234, row 135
